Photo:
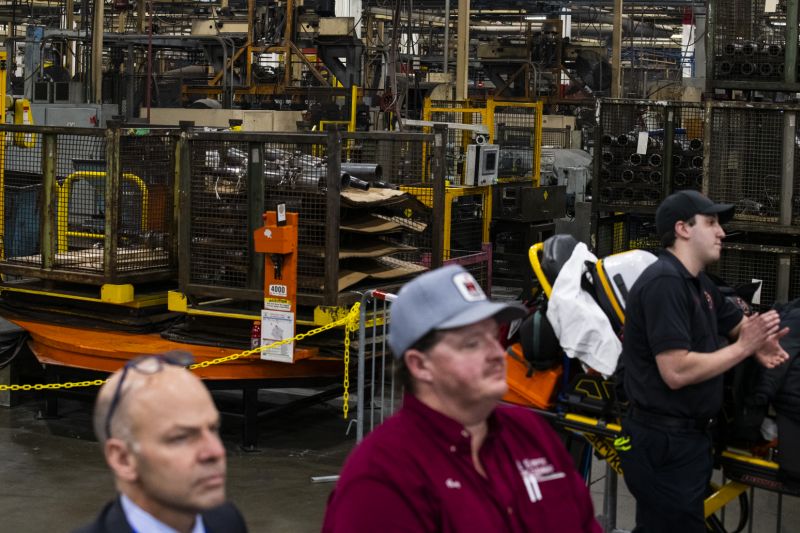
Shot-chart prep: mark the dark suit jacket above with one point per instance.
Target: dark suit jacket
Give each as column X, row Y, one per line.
column 223, row 519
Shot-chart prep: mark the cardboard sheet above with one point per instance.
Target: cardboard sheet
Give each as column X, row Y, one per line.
column 369, row 224
column 363, row 248
column 384, row 268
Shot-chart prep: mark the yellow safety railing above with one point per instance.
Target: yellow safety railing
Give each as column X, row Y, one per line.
column 350, row 322
column 63, row 205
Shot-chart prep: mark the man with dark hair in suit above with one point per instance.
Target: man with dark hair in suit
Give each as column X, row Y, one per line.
column 158, row 427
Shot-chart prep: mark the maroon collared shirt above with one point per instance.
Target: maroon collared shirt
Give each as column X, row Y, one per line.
column 415, row 473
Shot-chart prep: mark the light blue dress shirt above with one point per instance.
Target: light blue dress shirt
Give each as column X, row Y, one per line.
column 143, row 522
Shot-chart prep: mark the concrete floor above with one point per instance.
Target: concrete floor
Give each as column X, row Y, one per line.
column 54, row 479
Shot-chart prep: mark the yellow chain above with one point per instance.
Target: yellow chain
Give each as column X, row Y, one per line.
column 348, row 321
column 352, row 324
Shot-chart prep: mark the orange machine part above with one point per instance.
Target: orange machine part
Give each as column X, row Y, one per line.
column 271, row 240
column 107, row 351
column 538, row 390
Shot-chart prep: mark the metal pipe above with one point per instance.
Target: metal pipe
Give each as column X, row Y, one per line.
column 655, row 160
column 148, row 90
column 356, row 183
column 364, row 171
column 747, row 69
column 446, row 51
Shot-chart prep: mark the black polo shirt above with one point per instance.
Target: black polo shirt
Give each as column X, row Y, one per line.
column 669, row 309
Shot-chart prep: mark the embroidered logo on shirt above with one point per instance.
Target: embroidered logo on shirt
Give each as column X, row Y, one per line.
column 709, row 300
column 468, row 287
column 534, row 472
column 451, row 483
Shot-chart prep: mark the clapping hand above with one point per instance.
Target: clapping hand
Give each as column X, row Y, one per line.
column 771, row 354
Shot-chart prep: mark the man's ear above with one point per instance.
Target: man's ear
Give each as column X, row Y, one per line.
column 418, row 364
column 121, row 460
column 682, row 229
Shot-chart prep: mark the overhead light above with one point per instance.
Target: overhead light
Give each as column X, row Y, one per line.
column 535, row 17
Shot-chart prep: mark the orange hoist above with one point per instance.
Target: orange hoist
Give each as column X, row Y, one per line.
column 277, row 238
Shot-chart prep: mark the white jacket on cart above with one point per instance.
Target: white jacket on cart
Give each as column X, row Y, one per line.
column 582, row 328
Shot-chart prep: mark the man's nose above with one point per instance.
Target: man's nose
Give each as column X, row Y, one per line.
column 212, row 448
column 496, row 349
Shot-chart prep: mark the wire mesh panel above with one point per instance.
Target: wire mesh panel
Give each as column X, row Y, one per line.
column 81, row 202
column 687, row 147
column 56, row 183
column 796, row 187
column 21, row 181
column 296, row 174
column 557, row 137
column 742, row 263
column 745, row 161
column 388, row 159
column 467, row 223
column 749, row 42
column 631, row 175
column 620, row 233
column 456, row 112
column 516, row 128
column 420, row 222
column 219, row 229
column 146, row 200
column 225, row 206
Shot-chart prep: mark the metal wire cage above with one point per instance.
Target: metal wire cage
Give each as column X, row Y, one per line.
column 745, row 160
column 742, row 263
column 688, row 147
column 630, row 175
column 88, row 205
column 749, row 43
column 518, row 132
column 623, row 232
column 232, row 178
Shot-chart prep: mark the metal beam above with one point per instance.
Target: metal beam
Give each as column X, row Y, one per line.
column 97, row 51
column 616, row 52
column 462, row 50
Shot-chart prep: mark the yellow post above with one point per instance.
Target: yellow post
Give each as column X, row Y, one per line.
column 3, row 73
column 351, row 127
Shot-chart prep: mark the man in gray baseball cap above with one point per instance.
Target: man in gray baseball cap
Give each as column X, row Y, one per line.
column 453, row 458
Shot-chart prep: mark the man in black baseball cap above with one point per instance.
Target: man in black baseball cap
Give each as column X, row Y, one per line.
column 674, row 364
column 683, row 206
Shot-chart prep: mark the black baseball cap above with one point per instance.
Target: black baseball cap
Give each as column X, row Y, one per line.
column 683, row 205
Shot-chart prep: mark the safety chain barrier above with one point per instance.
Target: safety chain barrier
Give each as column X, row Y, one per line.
column 350, row 322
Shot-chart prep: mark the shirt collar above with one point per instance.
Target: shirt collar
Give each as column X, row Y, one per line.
column 669, row 256
column 143, row 522
column 445, row 429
